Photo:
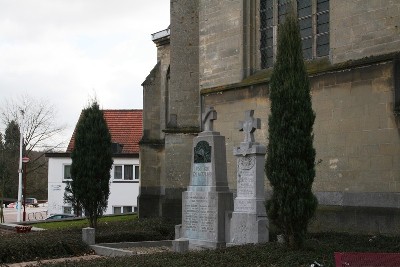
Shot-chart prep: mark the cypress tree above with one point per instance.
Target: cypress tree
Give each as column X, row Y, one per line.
column 290, row 164
column 91, row 163
column 11, row 159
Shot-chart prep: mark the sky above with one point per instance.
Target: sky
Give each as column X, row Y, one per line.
column 66, row 52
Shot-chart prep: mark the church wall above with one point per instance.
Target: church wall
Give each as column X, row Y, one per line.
column 177, row 171
column 152, row 149
column 221, row 42
column 184, row 83
column 356, row 133
column 152, row 105
column 356, row 139
column 363, row 28
column 230, row 106
column 183, row 108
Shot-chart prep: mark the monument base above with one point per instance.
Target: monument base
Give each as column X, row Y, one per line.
column 203, row 220
column 195, row 244
column 180, row 245
column 248, row 228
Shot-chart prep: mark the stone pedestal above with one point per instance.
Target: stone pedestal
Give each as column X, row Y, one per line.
column 249, row 219
column 89, row 235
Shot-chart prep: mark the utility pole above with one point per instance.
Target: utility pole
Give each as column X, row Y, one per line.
column 21, row 137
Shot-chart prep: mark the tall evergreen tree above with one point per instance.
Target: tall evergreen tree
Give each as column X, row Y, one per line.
column 290, row 164
column 91, row 163
column 11, row 159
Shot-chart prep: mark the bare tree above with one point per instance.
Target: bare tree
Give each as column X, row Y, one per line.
column 39, row 118
column 40, row 130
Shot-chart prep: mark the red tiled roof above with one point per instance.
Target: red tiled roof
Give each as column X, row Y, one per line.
column 125, row 126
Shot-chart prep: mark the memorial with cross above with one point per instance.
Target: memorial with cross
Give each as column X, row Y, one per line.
column 249, row 222
column 249, row 125
column 208, row 197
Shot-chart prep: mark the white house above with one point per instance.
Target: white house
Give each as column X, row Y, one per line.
column 125, row 127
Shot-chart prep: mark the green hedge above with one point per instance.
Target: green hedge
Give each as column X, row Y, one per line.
column 135, row 230
column 318, row 247
column 41, row 245
column 56, row 243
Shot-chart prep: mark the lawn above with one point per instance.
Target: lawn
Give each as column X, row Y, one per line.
column 82, row 223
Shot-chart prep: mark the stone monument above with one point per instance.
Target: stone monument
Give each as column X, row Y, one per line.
column 207, row 198
column 249, row 219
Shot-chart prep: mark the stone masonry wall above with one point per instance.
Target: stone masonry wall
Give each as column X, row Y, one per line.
column 357, row 137
column 362, row 28
column 151, row 104
column 184, row 83
column 221, row 42
column 356, row 134
column 230, row 106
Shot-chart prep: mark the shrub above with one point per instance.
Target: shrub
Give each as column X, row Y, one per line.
column 136, row 230
column 41, row 245
column 318, row 247
column 58, row 243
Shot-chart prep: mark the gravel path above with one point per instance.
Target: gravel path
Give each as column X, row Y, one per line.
column 36, row 263
column 149, row 250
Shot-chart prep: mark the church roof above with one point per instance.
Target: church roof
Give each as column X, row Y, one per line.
column 125, row 126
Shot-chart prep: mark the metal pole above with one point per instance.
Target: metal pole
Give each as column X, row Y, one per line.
column 24, row 217
column 20, row 168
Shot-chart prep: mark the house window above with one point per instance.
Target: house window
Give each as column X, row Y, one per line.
column 67, row 173
column 67, row 209
column 136, row 172
column 117, row 172
column 126, row 172
column 313, row 16
column 123, row 209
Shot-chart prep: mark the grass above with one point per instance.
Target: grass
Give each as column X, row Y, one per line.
column 82, row 223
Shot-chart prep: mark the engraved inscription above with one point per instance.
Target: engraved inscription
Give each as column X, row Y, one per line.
column 245, row 205
column 246, row 183
column 200, row 215
column 201, row 173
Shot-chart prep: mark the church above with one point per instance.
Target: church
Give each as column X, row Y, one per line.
column 221, row 54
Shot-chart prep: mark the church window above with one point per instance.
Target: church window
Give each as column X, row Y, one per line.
column 313, row 16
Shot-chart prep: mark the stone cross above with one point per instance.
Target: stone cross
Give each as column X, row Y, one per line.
column 249, row 125
column 208, row 117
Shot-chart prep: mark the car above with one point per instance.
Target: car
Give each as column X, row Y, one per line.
column 60, row 216
column 12, row 205
column 31, row 201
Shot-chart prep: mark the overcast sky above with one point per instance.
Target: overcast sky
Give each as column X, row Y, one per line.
column 67, row 51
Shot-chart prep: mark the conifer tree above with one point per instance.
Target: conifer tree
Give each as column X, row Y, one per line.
column 91, row 163
column 290, row 164
column 11, row 159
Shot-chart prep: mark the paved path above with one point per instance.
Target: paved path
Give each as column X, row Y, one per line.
column 32, row 214
column 36, row 263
